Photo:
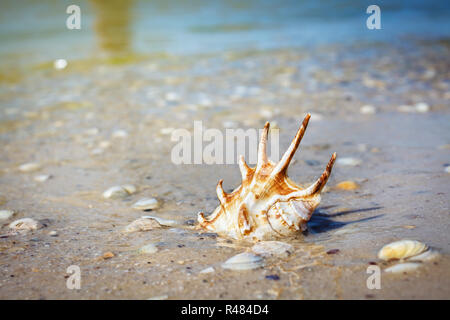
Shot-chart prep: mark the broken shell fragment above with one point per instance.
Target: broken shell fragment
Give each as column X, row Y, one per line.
column 402, row 249
column 403, row 267
column 148, row 249
column 25, row 225
column 243, row 261
column 207, row 270
column 267, row 205
column 146, row 204
column 273, row 249
column 142, row 224
column 162, row 221
column 29, row 167
column 6, row 214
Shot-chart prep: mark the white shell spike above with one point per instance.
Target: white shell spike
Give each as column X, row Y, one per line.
column 267, row 204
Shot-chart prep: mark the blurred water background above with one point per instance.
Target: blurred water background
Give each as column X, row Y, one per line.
column 35, row 31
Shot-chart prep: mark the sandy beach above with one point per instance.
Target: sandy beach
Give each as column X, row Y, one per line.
column 102, row 122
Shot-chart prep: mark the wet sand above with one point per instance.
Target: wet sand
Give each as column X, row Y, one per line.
column 65, row 120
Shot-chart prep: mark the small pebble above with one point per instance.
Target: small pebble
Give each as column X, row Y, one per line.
column 348, row 161
column 108, row 255
column 447, row 169
column 6, row 214
column 29, row 167
column 53, row 233
column 333, row 251
column 146, row 204
column 347, row 185
column 273, row 277
column 368, row 109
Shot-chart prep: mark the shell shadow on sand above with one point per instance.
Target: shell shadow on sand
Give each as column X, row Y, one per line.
column 321, row 221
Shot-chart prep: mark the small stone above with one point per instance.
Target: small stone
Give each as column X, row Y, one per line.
column 148, row 249
column 142, row 224
column 348, row 161
column 347, row 185
column 447, row 169
column 53, row 233
column 146, row 204
column 29, row 167
column 208, row 270
column 108, row 255
column 368, row 109
column 273, row 277
column 6, row 214
column 42, row 177
column 333, row 251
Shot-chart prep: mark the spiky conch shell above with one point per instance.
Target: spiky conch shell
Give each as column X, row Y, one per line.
column 267, row 204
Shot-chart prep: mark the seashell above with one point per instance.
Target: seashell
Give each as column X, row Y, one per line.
column 403, row 267
column 243, row 261
column 25, row 225
column 273, row 248
column 42, row 177
column 349, row 162
column 146, row 204
column 142, row 224
column 368, row 109
column 402, row 249
column 6, row 214
column 117, row 192
column 267, row 204
column 148, row 249
column 29, row 167
column 162, row 221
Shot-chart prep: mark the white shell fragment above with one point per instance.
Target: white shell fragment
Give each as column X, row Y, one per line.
column 243, row 261
column 24, row 225
column 29, row 167
column 402, row 249
column 349, row 162
column 273, row 249
column 6, row 214
column 42, row 177
column 148, row 249
column 119, row 191
column 162, row 221
column 142, row 224
column 403, row 267
column 208, row 270
column 146, row 204
column 368, row 109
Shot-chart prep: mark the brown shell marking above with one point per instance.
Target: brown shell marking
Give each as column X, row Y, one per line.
column 267, row 204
